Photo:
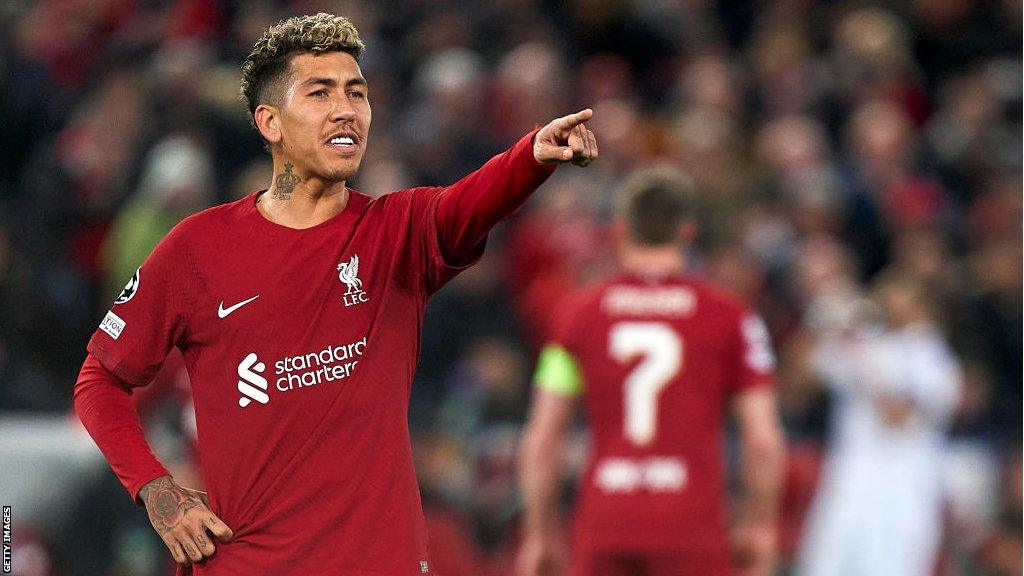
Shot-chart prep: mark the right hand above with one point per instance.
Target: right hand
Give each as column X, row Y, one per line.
column 542, row 555
column 182, row 517
column 566, row 139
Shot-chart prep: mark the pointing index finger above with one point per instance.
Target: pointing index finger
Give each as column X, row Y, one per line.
column 573, row 120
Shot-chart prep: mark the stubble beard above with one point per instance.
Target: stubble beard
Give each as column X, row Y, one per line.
column 342, row 173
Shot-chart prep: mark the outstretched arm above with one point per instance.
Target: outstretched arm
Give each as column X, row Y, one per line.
column 468, row 209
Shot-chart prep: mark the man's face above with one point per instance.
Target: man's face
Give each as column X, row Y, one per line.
column 325, row 116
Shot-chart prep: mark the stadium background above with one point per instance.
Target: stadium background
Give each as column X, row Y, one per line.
column 831, row 139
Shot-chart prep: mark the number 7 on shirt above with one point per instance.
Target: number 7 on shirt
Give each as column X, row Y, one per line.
column 662, row 351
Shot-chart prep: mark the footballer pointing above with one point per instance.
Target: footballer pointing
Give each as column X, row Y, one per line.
column 298, row 310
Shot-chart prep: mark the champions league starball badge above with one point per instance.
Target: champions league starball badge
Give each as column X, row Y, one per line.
column 130, row 288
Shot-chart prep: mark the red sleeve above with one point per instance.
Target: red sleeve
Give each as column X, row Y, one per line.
column 151, row 314
column 105, row 407
column 755, row 361
column 467, row 210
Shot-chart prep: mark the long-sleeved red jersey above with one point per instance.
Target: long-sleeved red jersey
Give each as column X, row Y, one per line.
column 658, row 361
column 301, row 347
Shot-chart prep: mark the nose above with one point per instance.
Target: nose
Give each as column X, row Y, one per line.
column 342, row 110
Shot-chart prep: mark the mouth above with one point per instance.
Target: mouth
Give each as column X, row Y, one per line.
column 344, row 141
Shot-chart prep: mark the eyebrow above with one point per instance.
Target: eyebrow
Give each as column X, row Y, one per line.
column 331, row 82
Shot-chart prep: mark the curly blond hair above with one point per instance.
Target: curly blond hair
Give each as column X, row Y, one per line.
column 269, row 60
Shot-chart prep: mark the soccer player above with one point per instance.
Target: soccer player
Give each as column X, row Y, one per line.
column 298, row 311
column 659, row 356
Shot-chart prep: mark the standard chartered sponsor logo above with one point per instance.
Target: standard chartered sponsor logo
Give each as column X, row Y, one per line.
column 332, row 363
column 251, row 384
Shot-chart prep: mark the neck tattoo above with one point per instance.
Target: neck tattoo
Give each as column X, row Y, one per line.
column 284, row 183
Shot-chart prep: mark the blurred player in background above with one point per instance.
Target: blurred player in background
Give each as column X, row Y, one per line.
column 878, row 509
column 298, row 311
column 659, row 358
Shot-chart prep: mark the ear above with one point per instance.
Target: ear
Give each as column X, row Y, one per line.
column 268, row 122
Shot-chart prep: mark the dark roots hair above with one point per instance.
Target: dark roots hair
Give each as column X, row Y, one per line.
column 268, row 62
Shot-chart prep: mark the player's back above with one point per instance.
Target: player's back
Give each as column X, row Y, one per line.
column 659, row 360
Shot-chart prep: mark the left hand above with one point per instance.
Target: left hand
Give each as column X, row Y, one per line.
column 755, row 548
column 566, row 139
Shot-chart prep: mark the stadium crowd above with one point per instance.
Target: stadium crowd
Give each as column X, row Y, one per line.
column 835, row 145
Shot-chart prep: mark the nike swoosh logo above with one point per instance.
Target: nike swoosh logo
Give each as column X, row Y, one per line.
column 222, row 312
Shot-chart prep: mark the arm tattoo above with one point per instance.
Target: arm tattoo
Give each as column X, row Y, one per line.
column 284, row 183
column 166, row 503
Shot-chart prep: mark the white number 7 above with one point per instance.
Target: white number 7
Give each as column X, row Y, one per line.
column 662, row 349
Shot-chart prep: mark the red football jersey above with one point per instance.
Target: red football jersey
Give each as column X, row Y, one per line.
column 301, row 347
column 659, row 360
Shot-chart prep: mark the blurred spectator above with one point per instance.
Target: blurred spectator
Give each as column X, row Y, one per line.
column 69, row 46
column 32, row 105
column 177, row 181
column 474, row 307
column 556, row 245
column 531, row 82
column 879, row 505
column 999, row 554
column 872, row 60
column 789, row 79
column 443, row 478
column 444, row 119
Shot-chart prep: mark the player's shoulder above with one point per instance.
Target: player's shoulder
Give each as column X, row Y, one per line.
column 585, row 299
column 573, row 311
column 712, row 295
column 209, row 227
column 401, row 203
column 214, row 218
column 406, row 195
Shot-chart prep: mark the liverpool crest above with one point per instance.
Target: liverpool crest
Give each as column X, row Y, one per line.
column 348, row 274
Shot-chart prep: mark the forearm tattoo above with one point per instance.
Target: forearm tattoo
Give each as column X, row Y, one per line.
column 285, row 182
column 167, row 503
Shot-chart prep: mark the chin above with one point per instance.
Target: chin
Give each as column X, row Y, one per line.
column 338, row 174
column 341, row 173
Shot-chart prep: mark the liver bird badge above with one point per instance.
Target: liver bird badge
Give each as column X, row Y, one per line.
column 348, row 273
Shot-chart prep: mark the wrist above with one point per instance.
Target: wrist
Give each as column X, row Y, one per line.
column 154, row 483
column 534, row 149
